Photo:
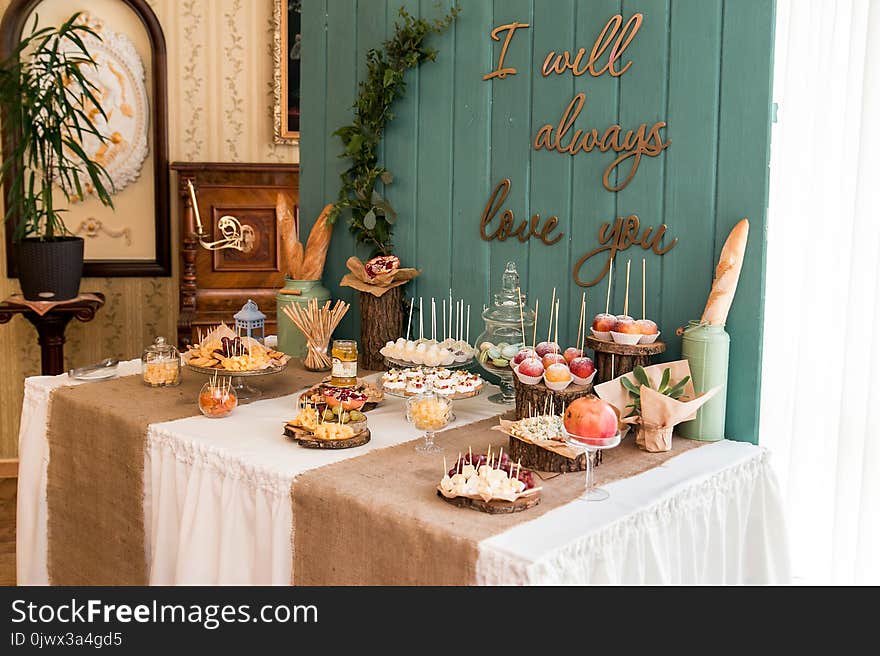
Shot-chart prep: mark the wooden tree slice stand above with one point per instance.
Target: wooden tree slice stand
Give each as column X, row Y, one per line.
column 358, row 440
column 538, row 458
column 381, row 322
column 626, row 358
column 539, row 395
column 494, row 506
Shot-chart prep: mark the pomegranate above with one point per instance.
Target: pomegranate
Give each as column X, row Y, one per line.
column 590, row 418
column 382, row 264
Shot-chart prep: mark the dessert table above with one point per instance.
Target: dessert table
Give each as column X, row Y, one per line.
column 217, row 506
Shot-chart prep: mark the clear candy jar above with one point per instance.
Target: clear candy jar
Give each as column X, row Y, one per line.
column 429, row 412
column 161, row 364
column 503, row 336
column 217, row 398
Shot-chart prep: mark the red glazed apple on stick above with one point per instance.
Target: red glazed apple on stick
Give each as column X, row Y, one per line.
column 603, row 323
column 625, row 330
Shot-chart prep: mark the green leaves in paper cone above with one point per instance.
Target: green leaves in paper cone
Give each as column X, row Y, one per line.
column 372, row 217
column 641, row 376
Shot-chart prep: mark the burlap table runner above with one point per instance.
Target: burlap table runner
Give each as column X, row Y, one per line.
column 377, row 519
column 95, row 480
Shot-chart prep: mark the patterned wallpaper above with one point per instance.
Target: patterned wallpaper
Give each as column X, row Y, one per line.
column 220, row 105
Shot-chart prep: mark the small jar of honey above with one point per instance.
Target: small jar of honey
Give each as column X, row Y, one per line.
column 345, row 363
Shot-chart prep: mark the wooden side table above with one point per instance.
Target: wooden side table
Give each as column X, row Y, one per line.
column 51, row 321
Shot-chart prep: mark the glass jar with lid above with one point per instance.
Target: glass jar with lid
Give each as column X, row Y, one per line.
column 505, row 320
column 345, row 363
column 161, row 364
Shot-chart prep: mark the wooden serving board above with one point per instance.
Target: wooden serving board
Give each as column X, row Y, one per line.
column 358, row 440
column 495, row 506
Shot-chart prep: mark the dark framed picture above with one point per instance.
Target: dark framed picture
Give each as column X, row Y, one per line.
column 287, row 15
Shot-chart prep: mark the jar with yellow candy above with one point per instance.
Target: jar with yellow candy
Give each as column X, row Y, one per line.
column 161, row 364
column 345, row 363
column 429, row 412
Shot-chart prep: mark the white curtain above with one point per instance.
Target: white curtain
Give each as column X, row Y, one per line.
column 820, row 410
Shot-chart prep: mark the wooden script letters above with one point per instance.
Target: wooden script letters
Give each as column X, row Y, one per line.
column 626, row 232
column 565, row 137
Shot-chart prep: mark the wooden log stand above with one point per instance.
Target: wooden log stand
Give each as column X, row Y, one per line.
column 381, row 322
column 613, row 359
column 534, row 457
column 352, row 442
column 540, row 396
column 494, row 506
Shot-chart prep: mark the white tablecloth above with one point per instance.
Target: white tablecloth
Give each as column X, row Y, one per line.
column 217, row 507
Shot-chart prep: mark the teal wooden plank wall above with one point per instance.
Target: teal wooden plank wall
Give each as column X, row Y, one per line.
column 703, row 66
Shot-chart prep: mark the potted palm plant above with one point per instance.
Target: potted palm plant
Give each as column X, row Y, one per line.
column 50, row 109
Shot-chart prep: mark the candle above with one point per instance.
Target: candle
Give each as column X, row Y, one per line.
column 421, row 317
column 195, row 202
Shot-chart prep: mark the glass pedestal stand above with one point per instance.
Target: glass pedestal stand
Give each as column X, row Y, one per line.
column 239, row 380
column 591, row 492
column 507, row 395
column 244, row 392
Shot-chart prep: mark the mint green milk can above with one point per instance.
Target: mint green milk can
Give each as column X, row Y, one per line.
column 290, row 338
column 707, row 350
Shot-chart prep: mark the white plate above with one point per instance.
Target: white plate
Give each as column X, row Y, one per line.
column 98, row 374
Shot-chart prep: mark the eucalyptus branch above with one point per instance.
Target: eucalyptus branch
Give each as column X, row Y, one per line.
column 372, row 216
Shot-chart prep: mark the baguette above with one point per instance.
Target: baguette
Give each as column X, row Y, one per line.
column 727, row 275
column 293, row 249
column 316, row 246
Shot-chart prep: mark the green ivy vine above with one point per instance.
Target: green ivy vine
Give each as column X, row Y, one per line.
column 372, row 217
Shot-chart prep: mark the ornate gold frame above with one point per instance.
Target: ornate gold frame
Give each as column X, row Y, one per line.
column 280, row 46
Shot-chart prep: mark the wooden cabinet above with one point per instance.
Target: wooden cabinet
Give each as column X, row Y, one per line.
column 215, row 284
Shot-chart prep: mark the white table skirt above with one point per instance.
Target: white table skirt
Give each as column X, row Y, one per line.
column 217, row 507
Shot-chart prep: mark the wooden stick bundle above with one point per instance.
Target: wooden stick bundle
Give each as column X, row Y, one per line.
column 317, row 324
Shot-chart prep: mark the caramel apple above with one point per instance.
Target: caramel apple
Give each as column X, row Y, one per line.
column 604, row 323
column 647, row 327
column 531, row 367
column 544, row 348
column 557, row 372
column 571, row 353
column 626, row 325
column 582, row 367
column 553, row 358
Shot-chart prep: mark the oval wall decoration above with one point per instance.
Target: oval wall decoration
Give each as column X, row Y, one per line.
column 122, row 92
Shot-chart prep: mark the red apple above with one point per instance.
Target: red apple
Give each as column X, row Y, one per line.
column 627, row 326
column 647, row 327
column 531, row 367
column 544, row 348
column 604, row 323
column 557, row 373
column 524, row 354
column 571, row 353
column 590, row 417
column 552, row 358
column 582, row 367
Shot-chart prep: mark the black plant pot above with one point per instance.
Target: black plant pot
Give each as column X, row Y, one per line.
column 50, row 270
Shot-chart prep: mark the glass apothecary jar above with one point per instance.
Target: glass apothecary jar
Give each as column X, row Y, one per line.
column 161, row 364
column 505, row 319
column 429, row 412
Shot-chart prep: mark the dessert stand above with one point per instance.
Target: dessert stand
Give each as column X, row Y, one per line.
column 591, row 492
column 245, row 392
